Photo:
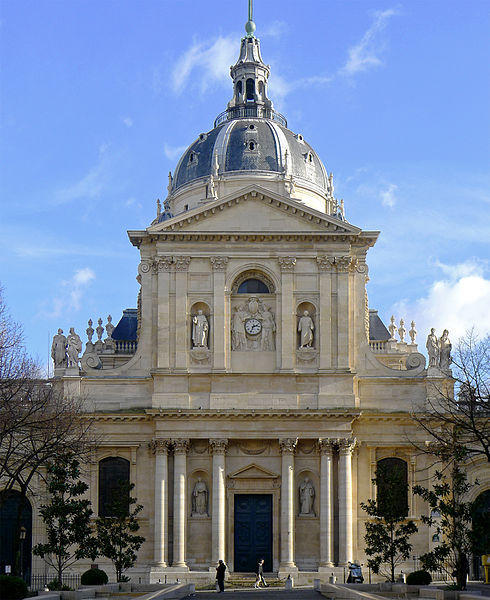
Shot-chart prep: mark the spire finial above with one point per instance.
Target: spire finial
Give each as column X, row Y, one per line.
column 250, row 25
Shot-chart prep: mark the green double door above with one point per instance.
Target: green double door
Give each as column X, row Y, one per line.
column 253, row 532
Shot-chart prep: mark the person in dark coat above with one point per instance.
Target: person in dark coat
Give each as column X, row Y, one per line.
column 220, row 575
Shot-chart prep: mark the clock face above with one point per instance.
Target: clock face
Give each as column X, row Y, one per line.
column 253, row 326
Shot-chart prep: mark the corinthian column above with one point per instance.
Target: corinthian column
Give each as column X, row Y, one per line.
column 180, row 495
column 287, row 447
column 160, row 450
column 218, row 448
column 326, row 503
column 346, row 448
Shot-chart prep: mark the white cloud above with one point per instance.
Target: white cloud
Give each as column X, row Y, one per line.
column 457, row 301
column 128, row 121
column 173, row 152
column 275, row 29
column 90, row 185
column 70, row 293
column 209, row 62
column 388, row 195
column 365, row 54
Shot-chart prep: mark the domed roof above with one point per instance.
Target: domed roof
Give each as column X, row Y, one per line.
column 250, row 140
column 250, row 144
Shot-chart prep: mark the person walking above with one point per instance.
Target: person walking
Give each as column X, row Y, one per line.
column 220, row 576
column 260, row 574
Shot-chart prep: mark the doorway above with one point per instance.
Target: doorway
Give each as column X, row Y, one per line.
column 253, row 532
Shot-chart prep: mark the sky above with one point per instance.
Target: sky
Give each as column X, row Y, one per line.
column 99, row 98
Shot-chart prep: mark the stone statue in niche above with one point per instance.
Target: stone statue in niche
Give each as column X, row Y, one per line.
column 58, row 350
column 73, row 348
column 253, row 327
column 200, row 330
column 445, row 347
column 305, row 328
column 432, row 346
column 306, row 498
column 200, row 499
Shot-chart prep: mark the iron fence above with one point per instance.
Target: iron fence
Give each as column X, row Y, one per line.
column 39, row 582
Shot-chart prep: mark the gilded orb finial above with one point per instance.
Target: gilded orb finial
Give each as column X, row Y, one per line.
column 250, row 25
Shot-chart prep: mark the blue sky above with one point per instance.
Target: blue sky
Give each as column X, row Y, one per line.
column 100, row 97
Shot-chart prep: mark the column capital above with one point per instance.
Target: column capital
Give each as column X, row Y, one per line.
column 287, row 263
column 182, row 263
column 288, row 445
column 145, row 266
column 163, row 263
column 346, row 445
column 326, row 446
column 219, row 262
column 325, row 263
column 159, row 446
column 181, row 446
column 218, row 446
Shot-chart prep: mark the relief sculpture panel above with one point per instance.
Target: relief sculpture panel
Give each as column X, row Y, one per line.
column 253, row 327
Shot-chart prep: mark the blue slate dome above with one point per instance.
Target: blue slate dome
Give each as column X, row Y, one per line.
column 250, row 144
column 250, row 136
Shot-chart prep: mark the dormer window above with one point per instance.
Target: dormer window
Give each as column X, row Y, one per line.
column 193, row 159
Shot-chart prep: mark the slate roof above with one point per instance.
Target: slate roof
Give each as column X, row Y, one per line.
column 377, row 329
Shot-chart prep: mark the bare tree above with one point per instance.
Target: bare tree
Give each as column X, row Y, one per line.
column 37, row 421
column 457, row 411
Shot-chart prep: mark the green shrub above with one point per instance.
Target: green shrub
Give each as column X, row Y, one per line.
column 54, row 585
column 12, row 588
column 419, row 578
column 94, row 577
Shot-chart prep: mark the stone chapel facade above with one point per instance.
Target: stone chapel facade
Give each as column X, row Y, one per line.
column 251, row 393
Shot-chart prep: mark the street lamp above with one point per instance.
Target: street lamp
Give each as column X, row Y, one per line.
column 22, row 537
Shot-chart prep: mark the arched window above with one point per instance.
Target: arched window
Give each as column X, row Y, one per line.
column 250, row 87
column 239, row 88
column 253, row 286
column 252, row 146
column 113, row 472
column 392, row 487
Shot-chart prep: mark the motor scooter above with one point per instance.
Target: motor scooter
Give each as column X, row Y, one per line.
column 355, row 573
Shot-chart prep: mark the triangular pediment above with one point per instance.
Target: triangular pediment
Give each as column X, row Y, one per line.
column 254, row 209
column 253, row 471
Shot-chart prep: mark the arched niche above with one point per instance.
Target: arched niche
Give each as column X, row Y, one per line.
column 481, row 523
column 206, row 311
column 307, row 493
column 114, row 471
column 310, row 308
column 15, row 513
column 199, row 491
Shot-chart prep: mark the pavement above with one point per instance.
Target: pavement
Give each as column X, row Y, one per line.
column 260, row 594
column 475, row 586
